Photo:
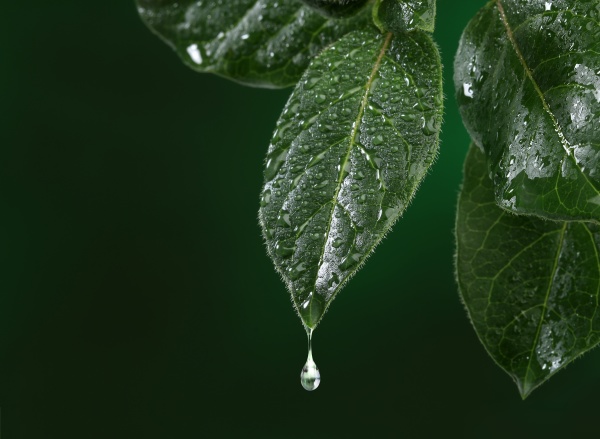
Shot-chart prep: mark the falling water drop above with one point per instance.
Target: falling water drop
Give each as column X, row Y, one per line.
column 310, row 377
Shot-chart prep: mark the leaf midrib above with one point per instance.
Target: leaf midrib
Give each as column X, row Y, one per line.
column 562, row 139
column 351, row 145
column 536, row 339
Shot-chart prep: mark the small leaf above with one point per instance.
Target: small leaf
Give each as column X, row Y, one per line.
column 404, row 15
column 531, row 286
column 266, row 43
column 353, row 143
column 527, row 77
column 336, row 8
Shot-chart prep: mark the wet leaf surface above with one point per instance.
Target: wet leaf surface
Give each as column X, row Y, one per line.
column 405, row 15
column 336, row 8
column 265, row 43
column 531, row 286
column 355, row 139
column 527, row 78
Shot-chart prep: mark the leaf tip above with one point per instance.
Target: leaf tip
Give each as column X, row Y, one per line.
column 311, row 310
column 525, row 387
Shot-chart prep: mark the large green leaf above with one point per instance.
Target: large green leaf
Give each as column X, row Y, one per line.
column 355, row 139
column 266, row 43
column 527, row 77
column 405, row 15
column 531, row 286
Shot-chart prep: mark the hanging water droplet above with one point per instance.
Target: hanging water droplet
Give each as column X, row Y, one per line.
column 310, row 377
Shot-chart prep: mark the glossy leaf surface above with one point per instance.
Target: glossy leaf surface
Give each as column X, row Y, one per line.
column 527, row 78
column 405, row 15
column 531, row 286
column 355, row 139
column 266, row 43
column 336, row 8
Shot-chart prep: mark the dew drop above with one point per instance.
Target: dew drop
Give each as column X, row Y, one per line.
column 195, row 54
column 310, row 377
column 429, row 126
column 284, row 251
column 345, row 169
column 316, row 159
column 468, row 90
column 335, row 280
column 350, row 261
column 266, row 198
column 378, row 140
column 296, row 271
column 283, row 219
column 274, row 162
column 337, row 243
column 310, row 83
column 321, row 184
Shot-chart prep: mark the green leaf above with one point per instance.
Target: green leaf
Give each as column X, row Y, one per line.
column 528, row 85
column 404, row 15
column 336, row 8
column 266, row 43
column 355, row 139
column 531, row 286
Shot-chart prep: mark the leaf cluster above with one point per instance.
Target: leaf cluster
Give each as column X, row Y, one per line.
column 528, row 86
column 361, row 129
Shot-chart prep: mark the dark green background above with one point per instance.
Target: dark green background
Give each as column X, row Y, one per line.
column 136, row 298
